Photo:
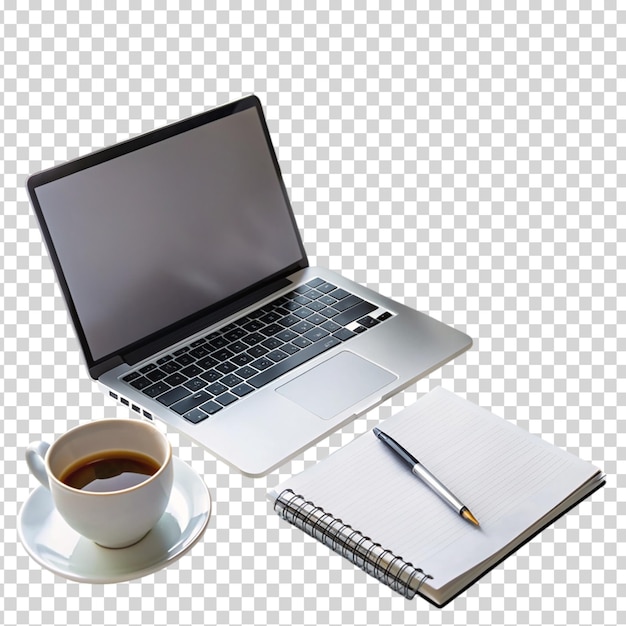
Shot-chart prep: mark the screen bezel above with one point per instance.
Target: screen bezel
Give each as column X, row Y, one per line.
column 211, row 314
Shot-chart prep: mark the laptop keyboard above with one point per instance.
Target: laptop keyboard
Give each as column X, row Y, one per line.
column 198, row 380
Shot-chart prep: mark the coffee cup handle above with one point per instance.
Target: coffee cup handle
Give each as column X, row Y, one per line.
column 35, row 455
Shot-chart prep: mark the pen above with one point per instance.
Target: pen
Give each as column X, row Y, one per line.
column 421, row 472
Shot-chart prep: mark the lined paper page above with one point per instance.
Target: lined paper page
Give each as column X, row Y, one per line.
column 508, row 478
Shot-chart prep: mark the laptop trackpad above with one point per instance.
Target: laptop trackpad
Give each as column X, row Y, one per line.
column 336, row 384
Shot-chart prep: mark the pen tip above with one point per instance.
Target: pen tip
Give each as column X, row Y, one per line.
column 467, row 514
column 376, row 431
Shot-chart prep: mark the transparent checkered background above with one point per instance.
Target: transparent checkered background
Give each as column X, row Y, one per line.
column 466, row 158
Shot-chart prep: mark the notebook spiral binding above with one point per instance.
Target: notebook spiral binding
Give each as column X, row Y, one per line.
column 372, row 558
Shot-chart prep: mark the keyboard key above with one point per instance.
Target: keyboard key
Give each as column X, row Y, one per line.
column 181, row 351
column 286, row 335
column 148, row 368
column 346, row 303
column 289, row 348
column 130, row 377
column 316, row 334
column 277, row 306
column 175, row 379
column 343, row 334
column 226, row 368
column 223, row 354
column 195, row 384
column 354, row 313
column 253, row 339
column 270, row 374
column 316, row 319
column 289, row 320
column 184, row 360
column 368, row 321
column 271, row 317
column 327, row 300
column 256, row 315
column 384, row 316
column 165, row 359
column 272, row 329
column 313, row 294
column 190, row 402
column 234, row 334
column 302, row 289
column 156, row 375
column 302, row 327
column 156, row 390
column 291, row 306
column 272, row 343
column 191, row 371
column 231, row 380
column 325, row 287
column 199, row 352
column 257, row 351
column 242, row 390
column 217, row 388
column 237, row 347
column 301, row 300
column 301, row 342
column 330, row 326
column 211, row 407
column 207, row 362
column 246, row 372
column 315, row 282
column 141, row 383
column 226, row 398
column 316, row 306
column 217, row 342
column 174, row 395
column 170, row 367
column 253, row 325
column 304, row 312
column 262, row 363
column 195, row 416
column 211, row 376
column 242, row 359
column 277, row 355
column 340, row 294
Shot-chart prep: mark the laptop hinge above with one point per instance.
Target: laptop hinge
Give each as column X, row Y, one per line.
column 95, row 371
column 139, row 354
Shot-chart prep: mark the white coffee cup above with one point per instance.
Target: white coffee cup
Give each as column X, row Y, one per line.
column 113, row 519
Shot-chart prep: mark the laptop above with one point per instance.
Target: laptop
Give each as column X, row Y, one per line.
column 190, row 291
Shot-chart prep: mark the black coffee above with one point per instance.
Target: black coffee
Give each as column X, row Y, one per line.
column 112, row 470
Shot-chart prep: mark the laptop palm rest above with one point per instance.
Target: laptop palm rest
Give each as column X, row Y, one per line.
column 336, row 384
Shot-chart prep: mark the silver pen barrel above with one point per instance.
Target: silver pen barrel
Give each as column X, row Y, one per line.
column 441, row 490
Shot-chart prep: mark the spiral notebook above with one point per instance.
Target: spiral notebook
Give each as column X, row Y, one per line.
column 366, row 505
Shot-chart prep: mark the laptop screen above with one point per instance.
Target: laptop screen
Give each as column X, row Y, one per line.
column 159, row 233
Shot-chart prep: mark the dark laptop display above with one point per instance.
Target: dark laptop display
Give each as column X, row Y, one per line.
column 149, row 238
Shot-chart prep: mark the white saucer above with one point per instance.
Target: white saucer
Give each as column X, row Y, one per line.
column 55, row 546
